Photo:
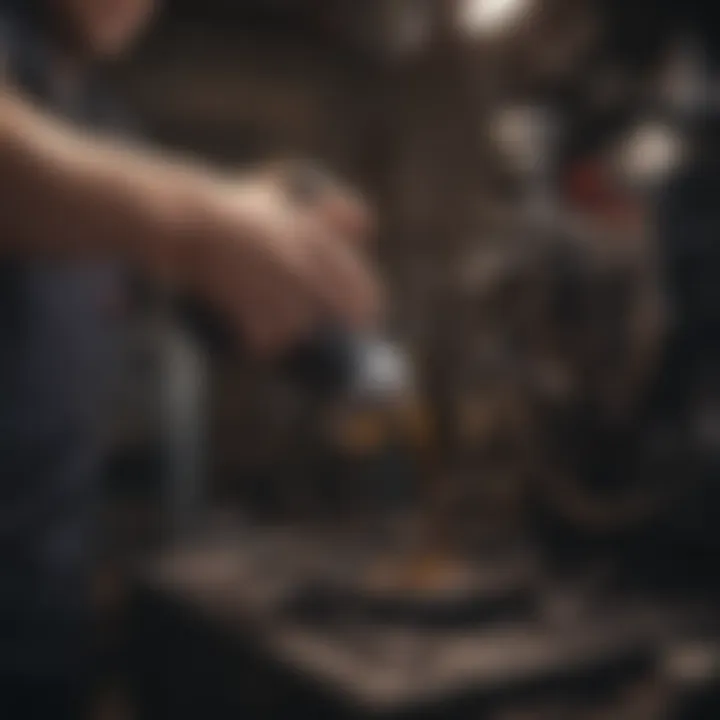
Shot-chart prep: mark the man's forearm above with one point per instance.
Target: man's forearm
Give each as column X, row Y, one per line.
column 64, row 193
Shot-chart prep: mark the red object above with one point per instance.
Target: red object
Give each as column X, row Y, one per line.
column 588, row 187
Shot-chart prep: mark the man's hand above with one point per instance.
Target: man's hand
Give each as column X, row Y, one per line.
column 277, row 261
column 273, row 261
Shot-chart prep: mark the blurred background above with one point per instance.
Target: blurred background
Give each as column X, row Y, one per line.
column 532, row 530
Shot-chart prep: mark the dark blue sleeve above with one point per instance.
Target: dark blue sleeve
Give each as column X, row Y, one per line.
column 11, row 40
column 6, row 35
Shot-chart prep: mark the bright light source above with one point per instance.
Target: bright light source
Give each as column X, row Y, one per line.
column 650, row 153
column 491, row 17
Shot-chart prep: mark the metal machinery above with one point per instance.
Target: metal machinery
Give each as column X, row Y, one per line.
column 528, row 295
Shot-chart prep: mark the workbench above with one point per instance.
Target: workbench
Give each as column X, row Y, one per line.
column 212, row 637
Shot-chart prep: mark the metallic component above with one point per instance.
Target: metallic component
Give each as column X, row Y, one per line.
column 184, row 385
column 382, row 371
